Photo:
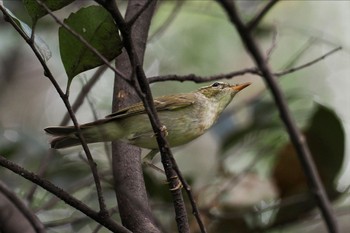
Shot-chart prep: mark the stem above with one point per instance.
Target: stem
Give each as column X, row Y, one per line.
column 295, row 135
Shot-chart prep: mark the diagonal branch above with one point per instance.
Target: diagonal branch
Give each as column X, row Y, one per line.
column 129, row 183
column 293, row 69
column 64, row 97
column 253, row 23
column 295, row 135
column 84, row 91
column 168, row 21
column 61, row 194
column 18, row 210
column 180, row 210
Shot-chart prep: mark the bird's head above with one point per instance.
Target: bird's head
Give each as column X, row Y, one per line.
column 220, row 91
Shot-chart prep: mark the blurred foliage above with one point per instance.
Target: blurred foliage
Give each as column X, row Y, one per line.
column 325, row 136
column 326, row 139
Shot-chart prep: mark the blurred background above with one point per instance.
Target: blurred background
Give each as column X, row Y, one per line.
column 244, row 169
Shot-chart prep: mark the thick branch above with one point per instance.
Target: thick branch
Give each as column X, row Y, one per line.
column 129, row 184
column 295, row 135
column 136, row 64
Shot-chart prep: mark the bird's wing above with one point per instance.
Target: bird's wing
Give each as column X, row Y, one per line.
column 162, row 103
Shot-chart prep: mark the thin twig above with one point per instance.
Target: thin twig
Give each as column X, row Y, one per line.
column 168, row 21
column 84, row 91
column 273, row 46
column 22, row 208
column 230, row 75
column 77, row 103
column 201, row 79
column 44, row 162
column 291, row 70
column 295, row 135
column 180, row 209
column 48, row 74
column 298, row 53
column 187, row 187
column 64, row 221
column 253, row 23
column 92, row 164
column 95, row 117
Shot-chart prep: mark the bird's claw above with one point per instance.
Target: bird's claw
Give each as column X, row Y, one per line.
column 178, row 185
column 164, row 130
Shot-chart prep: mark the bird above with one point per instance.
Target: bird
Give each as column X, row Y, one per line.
column 185, row 117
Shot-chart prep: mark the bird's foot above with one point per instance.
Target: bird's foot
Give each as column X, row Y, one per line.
column 164, row 130
column 178, row 185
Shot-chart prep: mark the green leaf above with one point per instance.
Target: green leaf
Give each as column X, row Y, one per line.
column 36, row 11
column 326, row 130
column 39, row 43
column 97, row 27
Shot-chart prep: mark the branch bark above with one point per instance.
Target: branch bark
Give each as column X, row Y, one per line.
column 141, row 85
column 126, row 161
column 64, row 196
column 15, row 217
column 295, row 135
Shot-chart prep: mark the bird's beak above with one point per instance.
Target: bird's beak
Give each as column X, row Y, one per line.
column 239, row 87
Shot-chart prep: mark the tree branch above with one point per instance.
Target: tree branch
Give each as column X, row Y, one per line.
column 84, row 91
column 61, row 194
column 167, row 21
column 253, row 23
column 129, row 182
column 295, row 135
column 136, row 65
column 293, row 69
column 64, row 97
column 201, row 79
column 18, row 218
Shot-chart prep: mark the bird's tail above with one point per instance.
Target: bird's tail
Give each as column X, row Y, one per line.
column 66, row 136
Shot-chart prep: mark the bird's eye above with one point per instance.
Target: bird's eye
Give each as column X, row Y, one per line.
column 216, row 84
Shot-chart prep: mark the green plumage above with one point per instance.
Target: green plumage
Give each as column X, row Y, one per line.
column 185, row 116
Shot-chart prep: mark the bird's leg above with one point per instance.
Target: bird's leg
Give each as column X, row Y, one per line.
column 150, row 156
column 164, row 130
column 147, row 161
column 179, row 184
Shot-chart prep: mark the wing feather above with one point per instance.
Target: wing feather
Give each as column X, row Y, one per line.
column 163, row 103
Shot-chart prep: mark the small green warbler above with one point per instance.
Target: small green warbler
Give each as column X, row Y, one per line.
column 185, row 117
